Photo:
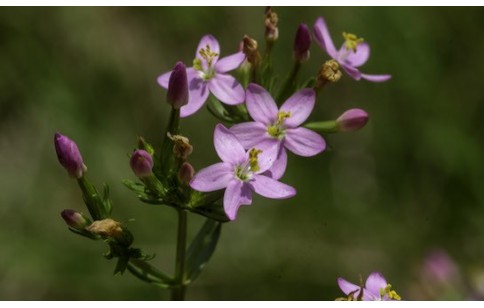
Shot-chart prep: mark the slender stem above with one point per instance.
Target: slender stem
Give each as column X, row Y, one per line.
column 178, row 292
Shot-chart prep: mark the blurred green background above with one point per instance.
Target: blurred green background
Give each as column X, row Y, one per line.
column 379, row 199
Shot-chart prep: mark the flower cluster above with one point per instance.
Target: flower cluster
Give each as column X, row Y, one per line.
column 376, row 288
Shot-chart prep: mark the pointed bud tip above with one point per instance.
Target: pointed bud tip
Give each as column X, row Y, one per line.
column 302, row 42
column 353, row 119
column 69, row 156
column 177, row 95
column 75, row 219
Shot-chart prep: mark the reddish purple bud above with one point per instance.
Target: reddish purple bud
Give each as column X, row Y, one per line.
column 69, row 155
column 302, row 42
column 141, row 162
column 75, row 219
column 186, row 173
column 177, row 95
column 352, row 120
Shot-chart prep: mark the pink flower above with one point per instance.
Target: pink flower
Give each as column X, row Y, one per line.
column 208, row 74
column 279, row 127
column 376, row 288
column 239, row 173
column 352, row 54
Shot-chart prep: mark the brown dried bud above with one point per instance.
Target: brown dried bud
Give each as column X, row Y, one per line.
column 106, row 228
column 182, row 147
column 251, row 50
column 271, row 21
column 329, row 72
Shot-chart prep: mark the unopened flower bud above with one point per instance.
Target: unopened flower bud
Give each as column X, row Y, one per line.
column 352, row 120
column 186, row 173
column 182, row 147
column 329, row 72
column 69, row 156
column 302, row 42
column 177, row 95
column 271, row 21
column 106, row 228
column 251, row 50
column 75, row 219
column 141, row 163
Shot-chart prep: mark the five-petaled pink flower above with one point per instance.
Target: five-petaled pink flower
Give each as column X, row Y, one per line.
column 376, row 289
column 352, row 54
column 240, row 173
column 279, row 126
column 208, row 74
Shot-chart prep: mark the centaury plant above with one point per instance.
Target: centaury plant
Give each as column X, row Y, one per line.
column 262, row 120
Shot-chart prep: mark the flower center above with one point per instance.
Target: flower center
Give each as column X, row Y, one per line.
column 244, row 172
column 352, row 41
column 208, row 55
column 392, row 294
column 278, row 130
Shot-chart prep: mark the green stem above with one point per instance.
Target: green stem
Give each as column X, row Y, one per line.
column 289, row 84
column 178, row 291
column 166, row 153
column 92, row 199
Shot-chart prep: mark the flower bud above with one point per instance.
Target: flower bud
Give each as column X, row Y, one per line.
column 69, row 156
column 302, row 42
column 186, row 173
column 106, row 228
column 141, row 163
column 329, row 72
column 271, row 21
column 177, row 95
column 251, row 50
column 352, row 120
column 75, row 219
column 182, row 147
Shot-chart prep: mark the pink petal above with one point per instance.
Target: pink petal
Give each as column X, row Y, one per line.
column 276, row 171
column 228, row 146
column 348, row 287
column 213, row 177
column 357, row 58
column 352, row 71
column 229, row 63
column 227, row 89
column 260, row 104
column 375, row 282
column 250, row 133
column 233, row 198
column 304, row 142
column 197, row 93
column 376, row 78
column 246, row 194
column 270, row 188
column 270, row 149
column 300, row 105
column 214, row 47
column 323, row 38
column 164, row 79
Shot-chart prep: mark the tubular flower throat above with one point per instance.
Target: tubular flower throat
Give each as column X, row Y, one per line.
column 352, row 41
column 277, row 130
column 208, row 55
column 244, row 172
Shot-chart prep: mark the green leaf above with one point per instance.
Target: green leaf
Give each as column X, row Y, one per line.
column 213, row 211
column 202, row 248
column 137, row 187
column 121, row 265
column 108, row 207
column 218, row 110
column 144, row 271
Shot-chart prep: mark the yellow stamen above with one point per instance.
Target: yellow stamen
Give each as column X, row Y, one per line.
column 352, row 41
column 392, row 294
column 208, row 55
column 282, row 115
column 253, row 159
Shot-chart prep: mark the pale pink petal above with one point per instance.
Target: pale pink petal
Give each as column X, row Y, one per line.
column 233, row 198
column 304, row 142
column 375, row 282
column 250, row 133
column 352, row 71
column 197, row 93
column 246, row 194
column 376, row 78
column 163, row 79
column 261, row 105
column 228, row 146
column 300, row 105
column 270, row 149
column 323, row 37
column 348, row 287
column 214, row 47
column 276, row 171
column 229, row 63
column 227, row 89
column 213, row 177
column 270, row 188
column 357, row 58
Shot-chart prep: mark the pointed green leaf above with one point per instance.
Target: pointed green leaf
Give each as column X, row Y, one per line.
column 144, row 271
